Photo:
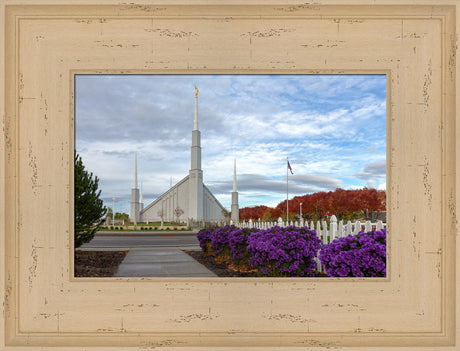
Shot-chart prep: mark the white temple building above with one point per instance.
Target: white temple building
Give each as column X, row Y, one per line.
column 189, row 195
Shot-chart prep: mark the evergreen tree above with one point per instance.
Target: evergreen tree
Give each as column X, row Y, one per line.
column 89, row 208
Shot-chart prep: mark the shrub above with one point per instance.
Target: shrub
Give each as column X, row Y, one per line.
column 238, row 243
column 219, row 240
column 215, row 241
column 204, row 239
column 286, row 251
column 362, row 255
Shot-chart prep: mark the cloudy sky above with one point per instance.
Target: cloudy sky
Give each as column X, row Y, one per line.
column 331, row 127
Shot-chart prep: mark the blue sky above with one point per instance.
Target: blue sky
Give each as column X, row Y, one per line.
column 332, row 128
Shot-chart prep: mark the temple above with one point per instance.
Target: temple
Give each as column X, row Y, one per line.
column 188, row 199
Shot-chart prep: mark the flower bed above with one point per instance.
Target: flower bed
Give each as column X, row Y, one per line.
column 291, row 251
column 362, row 255
column 272, row 252
column 288, row 251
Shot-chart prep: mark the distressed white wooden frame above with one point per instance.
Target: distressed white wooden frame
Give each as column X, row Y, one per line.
column 47, row 42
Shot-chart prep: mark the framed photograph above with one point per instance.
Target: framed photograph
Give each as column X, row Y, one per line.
column 47, row 44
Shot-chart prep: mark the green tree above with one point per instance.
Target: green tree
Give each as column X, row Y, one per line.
column 123, row 215
column 89, row 208
column 267, row 216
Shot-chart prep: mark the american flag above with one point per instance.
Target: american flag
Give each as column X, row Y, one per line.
column 289, row 167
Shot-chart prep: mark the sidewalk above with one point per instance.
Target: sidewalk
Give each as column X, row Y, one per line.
column 161, row 262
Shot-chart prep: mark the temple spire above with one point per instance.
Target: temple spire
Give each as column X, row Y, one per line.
column 196, row 198
column 196, row 139
column 135, row 172
column 195, row 122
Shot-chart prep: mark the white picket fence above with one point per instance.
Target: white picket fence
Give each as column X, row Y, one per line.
column 336, row 229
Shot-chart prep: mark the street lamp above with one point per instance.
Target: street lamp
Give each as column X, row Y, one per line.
column 113, row 212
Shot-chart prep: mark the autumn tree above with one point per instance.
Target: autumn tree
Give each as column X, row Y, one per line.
column 343, row 203
column 254, row 212
column 178, row 212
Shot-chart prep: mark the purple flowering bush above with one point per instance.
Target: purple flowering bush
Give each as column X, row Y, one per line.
column 291, row 251
column 215, row 241
column 238, row 243
column 362, row 255
column 223, row 241
column 219, row 241
column 286, row 251
column 204, row 238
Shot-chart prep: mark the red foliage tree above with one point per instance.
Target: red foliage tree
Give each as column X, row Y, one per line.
column 255, row 212
column 339, row 202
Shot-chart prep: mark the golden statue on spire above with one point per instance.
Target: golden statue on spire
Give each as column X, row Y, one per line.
column 196, row 91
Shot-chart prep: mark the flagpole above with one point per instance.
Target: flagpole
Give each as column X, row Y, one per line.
column 287, row 191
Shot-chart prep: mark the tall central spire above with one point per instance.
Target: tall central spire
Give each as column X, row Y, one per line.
column 196, row 138
column 195, row 122
column 196, row 200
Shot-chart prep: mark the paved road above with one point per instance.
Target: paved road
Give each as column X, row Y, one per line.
column 142, row 239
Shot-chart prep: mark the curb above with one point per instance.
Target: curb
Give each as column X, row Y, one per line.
column 143, row 247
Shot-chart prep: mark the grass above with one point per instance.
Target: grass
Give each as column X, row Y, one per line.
column 144, row 229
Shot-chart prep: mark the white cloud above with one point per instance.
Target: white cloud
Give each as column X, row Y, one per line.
column 332, row 128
